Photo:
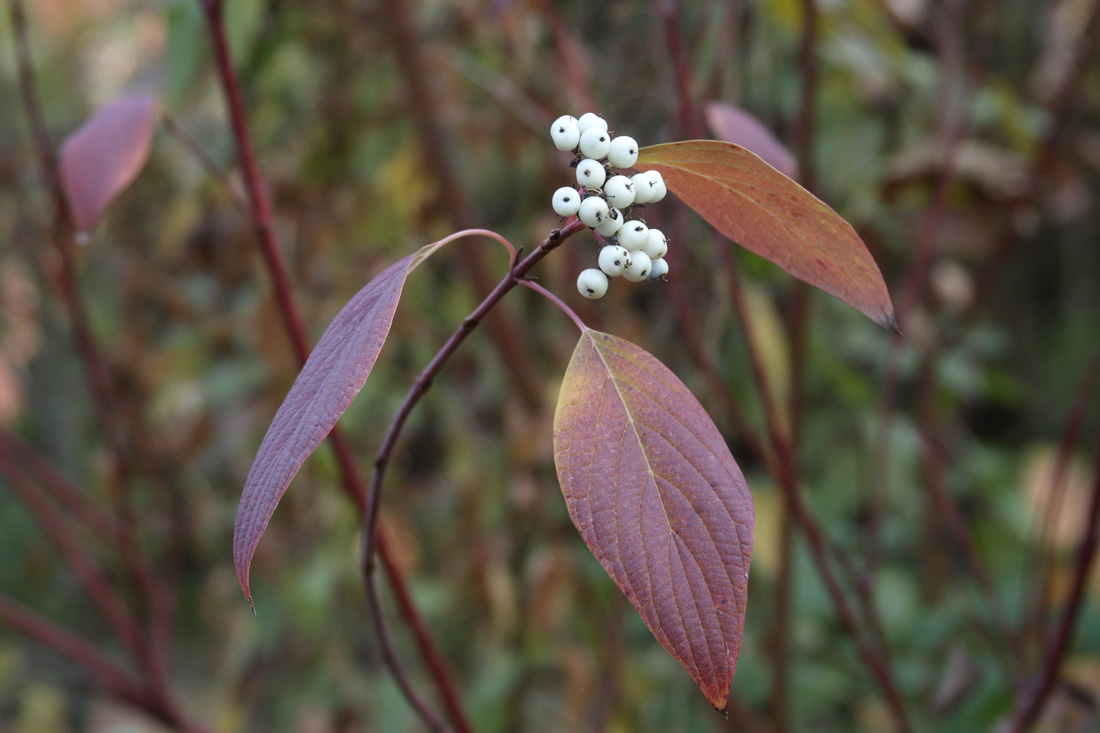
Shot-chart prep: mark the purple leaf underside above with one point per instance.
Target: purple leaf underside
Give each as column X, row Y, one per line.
column 332, row 376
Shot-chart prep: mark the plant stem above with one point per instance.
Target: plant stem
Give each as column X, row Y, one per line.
column 1028, row 709
column 424, row 379
column 120, row 437
column 371, row 534
column 212, row 169
column 1036, row 619
column 788, row 482
column 507, row 336
column 263, row 220
column 556, row 301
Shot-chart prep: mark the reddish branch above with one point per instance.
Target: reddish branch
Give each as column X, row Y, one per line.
column 423, row 381
column 263, row 220
column 153, row 591
column 788, row 482
column 1052, row 511
column 1029, row 708
column 423, row 99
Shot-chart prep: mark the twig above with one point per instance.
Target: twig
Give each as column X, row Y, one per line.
column 212, row 169
column 1035, row 621
column 78, row 558
column 797, row 336
column 393, row 660
column 103, row 669
column 532, row 285
column 926, row 238
column 788, row 482
column 262, row 218
column 63, row 491
column 371, row 535
column 1061, row 105
column 507, row 337
column 151, row 587
column 424, row 379
column 1028, row 709
column 689, row 117
column 569, row 55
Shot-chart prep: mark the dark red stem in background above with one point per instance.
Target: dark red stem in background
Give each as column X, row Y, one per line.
column 263, row 220
column 1058, row 641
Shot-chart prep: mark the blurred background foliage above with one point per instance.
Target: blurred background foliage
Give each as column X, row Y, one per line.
column 537, row 635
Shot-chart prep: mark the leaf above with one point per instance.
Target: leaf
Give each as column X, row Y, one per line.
column 765, row 212
column 735, row 125
column 653, row 490
column 332, row 376
column 104, row 156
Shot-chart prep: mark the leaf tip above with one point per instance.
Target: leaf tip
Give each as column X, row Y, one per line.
column 889, row 322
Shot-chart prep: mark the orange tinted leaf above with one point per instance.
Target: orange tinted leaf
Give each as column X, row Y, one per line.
column 104, row 156
column 765, row 212
column 655, row 494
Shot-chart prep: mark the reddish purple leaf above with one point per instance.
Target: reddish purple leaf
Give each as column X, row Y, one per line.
column 657, row 497
column 735, row 125
column 332, row 376
column 765, row 212
column 104, row 156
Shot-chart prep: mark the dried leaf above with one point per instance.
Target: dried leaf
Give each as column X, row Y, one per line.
column 332, row 376
column 735, row 125
column 765, row 212
column 104, row 156
column 657, row 497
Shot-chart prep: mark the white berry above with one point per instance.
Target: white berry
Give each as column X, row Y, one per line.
column 595, row 142
column 611, row 223
column 589, row 120
column 614, row 259
column 567, row 201
column 592, row 283
column 658, row 268
column 619, row 191
column 593, row 211
column 634, row 235
column 566, row 132
column 659, row 189
column 590, row 173
column 643, row 188
column 656, row 245
column 640, row 265
column 623, row 152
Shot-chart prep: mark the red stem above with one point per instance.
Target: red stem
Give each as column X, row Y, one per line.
column 1037, row 620
column 927, row 235
column 263, row 220
column 151, row 588
column 507, row 337
column 788, row 482
column 1031, row 705
column 78, row 558
column 62, row 490
column 371, row 535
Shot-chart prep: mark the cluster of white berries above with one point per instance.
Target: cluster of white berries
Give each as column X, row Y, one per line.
column 605, row 200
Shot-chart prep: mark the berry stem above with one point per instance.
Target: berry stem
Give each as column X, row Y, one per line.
column 556, row 301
